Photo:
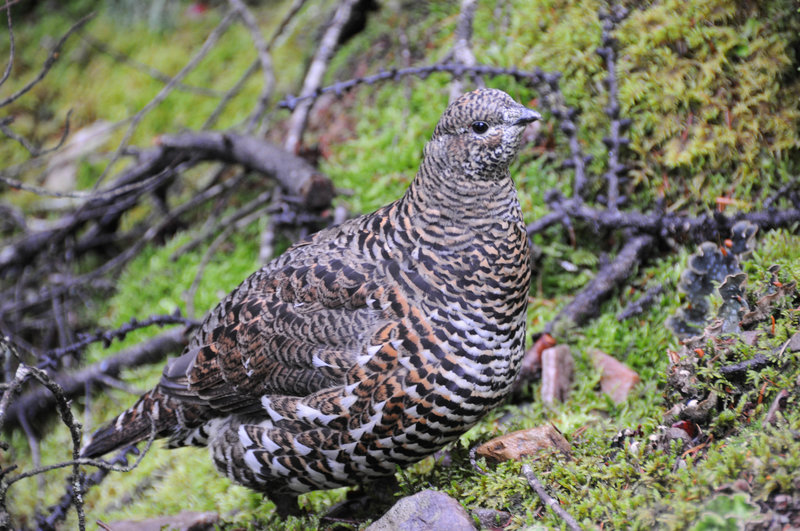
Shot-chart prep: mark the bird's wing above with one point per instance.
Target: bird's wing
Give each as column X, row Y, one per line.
column 293, row 328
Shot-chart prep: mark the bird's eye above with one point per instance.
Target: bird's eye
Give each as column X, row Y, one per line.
column 480, row 127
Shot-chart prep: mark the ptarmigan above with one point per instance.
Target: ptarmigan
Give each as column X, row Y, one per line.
column 368, row 345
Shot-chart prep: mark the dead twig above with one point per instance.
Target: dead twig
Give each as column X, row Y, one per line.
column 315, row 73
column 462, row 47
column 213, row 225
column 294, row 174
column 253, row 68
column 24, row 373
column 645, row 301
column 9, row 4
column 36, row 458
column 154, row 73
column 586, row 303
column 240, row 219
column 535, row 77
column 667, row 227
column 615, row 142
column 39, row 403
column 24, row 142
column 264, row 59
column 548, row 500
column 118, row 463
column 50, row 358
column 55, row 53
column 134, row 120
column 11, row 45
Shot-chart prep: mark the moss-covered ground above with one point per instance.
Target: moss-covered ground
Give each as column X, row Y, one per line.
column 713, row 89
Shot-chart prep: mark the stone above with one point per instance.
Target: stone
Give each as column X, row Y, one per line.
column 429, row 510
column 183, row 521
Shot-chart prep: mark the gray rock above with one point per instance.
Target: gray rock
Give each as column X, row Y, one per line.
column 183, row 521
column 794, row 343
column 428, row 510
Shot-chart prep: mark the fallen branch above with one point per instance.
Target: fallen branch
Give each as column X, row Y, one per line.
column 119, row 463
column 149, row 70
column 462, row 47
column 11, row 46
column 264, row 59
column 155, row 168
column 548, row 500
column 50, row 359
column 56, row 393
column 295, row 175
column 239, row 85
column 315, row 73
column 39, row 403
column 55, row 53
column 34, row 151
column 585, row 304
column 134, row 120
column 534, row 77
column 667, row 227
column 151, row 171
column 645, row 301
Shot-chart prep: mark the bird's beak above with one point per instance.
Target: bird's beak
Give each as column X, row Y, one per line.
column 527, row 116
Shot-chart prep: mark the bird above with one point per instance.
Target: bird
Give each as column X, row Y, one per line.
column 368, row 345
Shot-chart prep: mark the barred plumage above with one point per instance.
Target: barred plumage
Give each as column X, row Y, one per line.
column 371, row 344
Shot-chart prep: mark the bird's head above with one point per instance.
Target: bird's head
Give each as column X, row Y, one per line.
column 479, row 134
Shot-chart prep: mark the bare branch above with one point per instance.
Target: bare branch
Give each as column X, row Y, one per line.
column 55, row 53
column 614, row 141
column 230, row 94
column 294, row 174
column 246, row 215
column 118, row 464
column 462, row 47
column 233, row 218
column 147, row 69
column 548, row 500
column 50, row 358
column 535, row 77
column 121, row 196
column 315, row 73
column 39, row 403
column 56, row 393
column 19, row 185
column 645, row 301
column 11, row 45
column 35, row 243
column 36, row 457
column 264, row 58
column 9, row 4
column 585, row 304
column 212, row 38
column 33, row 150
column 663, row 225
column 237, row 87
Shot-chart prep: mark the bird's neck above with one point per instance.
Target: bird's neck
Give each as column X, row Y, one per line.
column 439, row 195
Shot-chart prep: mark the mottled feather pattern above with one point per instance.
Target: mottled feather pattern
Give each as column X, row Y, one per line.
column 371, row 344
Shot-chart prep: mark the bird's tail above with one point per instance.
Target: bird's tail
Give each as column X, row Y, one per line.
column 151, row 415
